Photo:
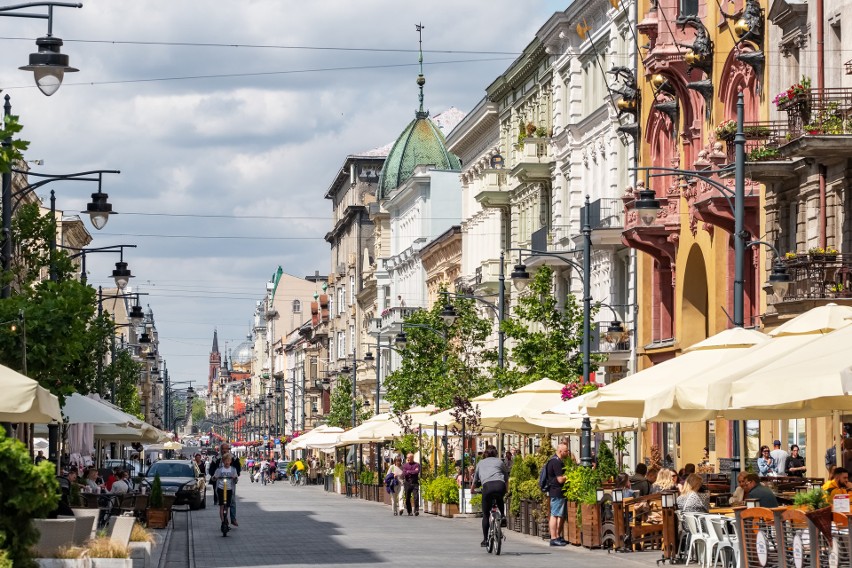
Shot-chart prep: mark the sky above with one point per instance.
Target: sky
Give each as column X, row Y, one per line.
column 228, row 132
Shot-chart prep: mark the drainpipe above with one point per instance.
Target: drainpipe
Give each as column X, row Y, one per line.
column 820, row 33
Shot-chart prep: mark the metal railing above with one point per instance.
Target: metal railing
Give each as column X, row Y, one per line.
column 605, row 213
column 819, row 112
column 763, row 139
column 819, row 276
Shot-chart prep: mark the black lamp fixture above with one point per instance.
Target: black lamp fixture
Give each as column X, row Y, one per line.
column 368, row 358
column 136, row 316
column 99, row 209
column 48, row 65
column 647, row 206
column 145, row 339
column 779, row 278
column 401, row 339
column 615, row 332
column 449, row 315
column 520, row 277
column 190, row 392
column 121, row 275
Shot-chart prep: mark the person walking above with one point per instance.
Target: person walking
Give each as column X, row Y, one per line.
column 225, row 448
column 394, row 485
column 780, row 456
column 555, row 476
column 411, row 484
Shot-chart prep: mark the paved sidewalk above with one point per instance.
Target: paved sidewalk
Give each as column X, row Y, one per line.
column 282, row 525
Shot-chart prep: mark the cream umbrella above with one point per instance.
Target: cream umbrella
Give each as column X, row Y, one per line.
column 512, row 412
column 811, row 381
column 568, row 415
column 628, row 396
column 445, row 418
column 79, row 409
column 708, row 394
column 353, row 435
column 24, row 400
column 321, row 437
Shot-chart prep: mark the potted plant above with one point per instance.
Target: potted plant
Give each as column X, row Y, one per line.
column 476, row 504
column 428, row 496
column 816, row 253
column 791, row 256
column 445, row 492
column 104, row 553
column 531, row 129
column 811, row 500
column 726, row 130
column 830, row 253
column 763, row 154
column 141, row 544
column 157, row 514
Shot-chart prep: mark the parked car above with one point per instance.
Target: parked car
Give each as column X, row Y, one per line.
column 127, row 465
column 281, row 467
column 177, row 478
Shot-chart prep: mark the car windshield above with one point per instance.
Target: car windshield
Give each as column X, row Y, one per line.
column 171, row 470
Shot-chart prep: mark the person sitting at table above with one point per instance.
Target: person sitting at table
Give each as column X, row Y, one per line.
column 690, row 500
column 754, row 490
column 766, row 464
column 738, row 496
column 839, row 482
column 91, row 478
column 795, row 463
column 122, row 484
column 665, row 481
column 639, row 482
column 622, row 481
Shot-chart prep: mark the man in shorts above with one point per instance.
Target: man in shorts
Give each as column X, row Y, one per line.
column 555, row 480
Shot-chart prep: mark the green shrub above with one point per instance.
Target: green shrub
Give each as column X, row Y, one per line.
column 426, row 489
column 367, row 477
column 27, row 492
column 406, row 444
column 607, row 466
column 444, row 490
column 339, row 472
column 476, row 502
column 155, row 501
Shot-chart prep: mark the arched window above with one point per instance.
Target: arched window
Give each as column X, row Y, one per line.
column 297, row 306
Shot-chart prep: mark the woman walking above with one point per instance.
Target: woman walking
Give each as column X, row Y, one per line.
column 393, row 484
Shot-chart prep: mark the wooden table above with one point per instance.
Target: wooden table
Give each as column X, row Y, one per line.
column 727, row 511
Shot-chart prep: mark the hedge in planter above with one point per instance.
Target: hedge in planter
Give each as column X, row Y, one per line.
column 28, row 491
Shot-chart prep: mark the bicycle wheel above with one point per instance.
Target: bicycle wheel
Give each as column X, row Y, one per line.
column 293, row 479
column 498, row 535
column 303, row 480
column 490, row 540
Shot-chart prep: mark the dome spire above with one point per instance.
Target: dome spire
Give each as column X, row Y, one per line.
column 421, row 80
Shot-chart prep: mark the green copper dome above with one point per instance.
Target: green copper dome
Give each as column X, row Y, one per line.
column 421, row 143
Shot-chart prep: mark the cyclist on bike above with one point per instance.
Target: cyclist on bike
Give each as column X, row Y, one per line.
column 271, row 473
column 225, row 477
column 492, row 474
column 297, row 469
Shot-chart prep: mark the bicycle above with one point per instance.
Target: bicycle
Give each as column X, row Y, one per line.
column 225, row 507
column 495, row 531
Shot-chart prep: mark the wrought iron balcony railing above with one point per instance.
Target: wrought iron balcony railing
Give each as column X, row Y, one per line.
column 604, row 213
column 819, row 275
column 762, row 141
column 819, row 112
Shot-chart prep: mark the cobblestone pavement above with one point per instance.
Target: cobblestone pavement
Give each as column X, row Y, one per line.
column 280, row 525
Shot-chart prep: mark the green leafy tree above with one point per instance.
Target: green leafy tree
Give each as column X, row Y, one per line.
column 439, row 371
column 199, row 410
column 340, row 411
column 123, row 372
column 28, row 491
column 546, row 341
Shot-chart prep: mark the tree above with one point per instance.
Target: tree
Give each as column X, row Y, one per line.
column 123, row 372
column 546, row 341
column 340, row 411
column 441, row 371
column 199, row 410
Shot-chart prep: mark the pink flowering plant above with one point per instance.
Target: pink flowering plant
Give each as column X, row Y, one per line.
column 573, row 390
column 726, row 129
column 803, row 87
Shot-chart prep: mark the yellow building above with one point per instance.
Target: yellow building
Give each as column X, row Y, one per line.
column 690, row 72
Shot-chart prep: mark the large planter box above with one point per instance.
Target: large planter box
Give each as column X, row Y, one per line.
column 591, row 529
column 449, row 510
column 157, row 518
column 64, row 562
column 140, row 553
column 379, row 493
column 525, row 516
column 571, row 527
column 429, row 507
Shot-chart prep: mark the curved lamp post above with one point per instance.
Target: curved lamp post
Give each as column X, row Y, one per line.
column 48, row 65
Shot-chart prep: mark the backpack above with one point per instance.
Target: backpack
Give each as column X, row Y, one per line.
column 543, row 480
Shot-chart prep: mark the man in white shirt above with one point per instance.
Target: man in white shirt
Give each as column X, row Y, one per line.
column 122, row 484
column 780, row 456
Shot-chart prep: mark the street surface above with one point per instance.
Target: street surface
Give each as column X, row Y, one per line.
column 282, row 525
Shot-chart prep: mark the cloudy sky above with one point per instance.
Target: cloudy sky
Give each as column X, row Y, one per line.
column 228, row 132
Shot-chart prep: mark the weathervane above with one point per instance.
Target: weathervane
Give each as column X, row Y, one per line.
column 421, row 80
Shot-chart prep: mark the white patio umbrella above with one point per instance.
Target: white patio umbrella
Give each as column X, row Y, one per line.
column 628, row 396
column 445, row 418
column 320, row 438
column 513, row 412
column 353, row 435
column 568, row 415
column 79, row 409
column 24, row 400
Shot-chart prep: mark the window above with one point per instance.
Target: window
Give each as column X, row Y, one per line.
column 332, row 352
column 688, row 7
column 297, row 306
column 341, row 299
column 796, row 435
column 351, row 290
column 341, row 344
column 351, row 338
column 331, row 305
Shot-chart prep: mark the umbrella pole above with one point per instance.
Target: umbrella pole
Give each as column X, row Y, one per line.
column 837, row 437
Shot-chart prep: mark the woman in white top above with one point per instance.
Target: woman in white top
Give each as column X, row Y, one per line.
column 122, row 485
column 394, row 485
column 226, row 480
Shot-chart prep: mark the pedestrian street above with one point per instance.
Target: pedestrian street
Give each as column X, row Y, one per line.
column 281, row 525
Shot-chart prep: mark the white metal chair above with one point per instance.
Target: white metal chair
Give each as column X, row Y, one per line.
column 85, row 528
column 723, row 542
column 697, row 538
column 53, row 534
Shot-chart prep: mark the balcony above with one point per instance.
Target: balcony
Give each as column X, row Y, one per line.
column 392, row 319
column 616, row 352
column 532, row 159
column 606, row 218
column 488, row 276
column 819, row 124
column 493, row 190
column 819, row 276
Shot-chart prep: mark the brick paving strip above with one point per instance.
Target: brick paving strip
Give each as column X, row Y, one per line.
column 280, row 525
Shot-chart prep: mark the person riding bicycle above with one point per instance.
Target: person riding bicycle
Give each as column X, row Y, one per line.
column 271, row 472
column 298, row 469
column 226, row 477
column 492, row 475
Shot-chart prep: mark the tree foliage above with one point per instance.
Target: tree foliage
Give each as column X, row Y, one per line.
column 28, row 491
column 123, row 372
column 546, row 341
column 340, row 411
column 199, row 410
column 441, row 371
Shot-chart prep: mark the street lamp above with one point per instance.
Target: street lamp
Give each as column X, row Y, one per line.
column 354, row 370
column 48, row 65
column 520, row 277
column 121, row 274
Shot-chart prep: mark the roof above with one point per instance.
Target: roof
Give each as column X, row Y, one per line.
column 422, row 142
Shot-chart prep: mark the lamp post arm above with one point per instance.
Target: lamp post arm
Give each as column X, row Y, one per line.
column 530, row 253
column 767, row 245
column 48, row 178
column 488, row 303
column 611, row 309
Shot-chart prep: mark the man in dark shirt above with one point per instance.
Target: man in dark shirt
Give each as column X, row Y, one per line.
column 639, row 483
column 754, row 490
column 555, row 468
column 411, row 484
